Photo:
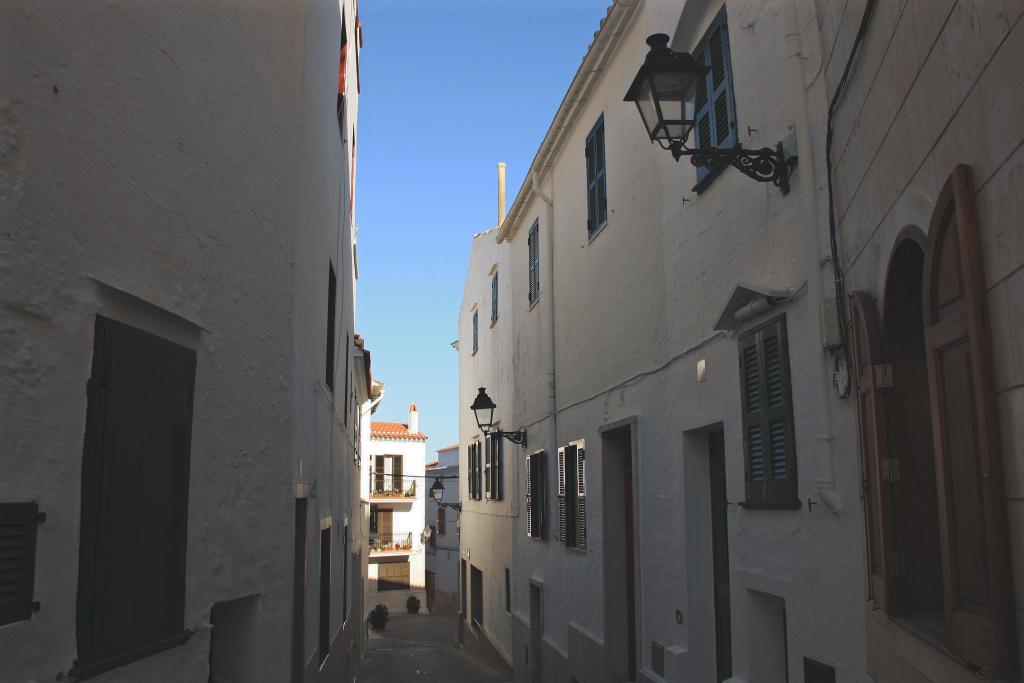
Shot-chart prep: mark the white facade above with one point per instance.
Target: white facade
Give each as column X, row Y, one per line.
column 397, row 492
column 443, row 552
column 187, row 178
column 620, row 355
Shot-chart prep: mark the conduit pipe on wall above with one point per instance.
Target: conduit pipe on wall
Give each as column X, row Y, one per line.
column 814, row 262
column 548, row 236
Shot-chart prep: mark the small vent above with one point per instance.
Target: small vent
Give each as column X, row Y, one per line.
column 658, row 658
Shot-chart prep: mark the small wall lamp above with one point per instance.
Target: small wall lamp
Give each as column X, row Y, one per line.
column 483, row 409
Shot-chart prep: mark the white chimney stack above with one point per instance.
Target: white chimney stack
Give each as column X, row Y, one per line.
column 501, row 193
column 414, row 419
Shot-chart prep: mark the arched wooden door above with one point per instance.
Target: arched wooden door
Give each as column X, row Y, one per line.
column 873, row 376
column 972, row 506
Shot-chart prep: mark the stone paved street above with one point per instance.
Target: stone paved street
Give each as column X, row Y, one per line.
column 422, row 648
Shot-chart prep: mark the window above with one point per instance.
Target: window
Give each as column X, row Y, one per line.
column 299, row 590
column 131, row 581
column 572, row 495
column 388, row 481
column 494, row 298
column 332, row 286
column 508, row 592
column 768, row 442
column 475, row 471
column 348, row 378
column 533, row 247
column 18, row 523
column 938, row 541
column 493, row 469
column 441, row 521
column 393, row 576
column 476, row 330
column 324, row 632
column 597, row 188
column 342, row 67
column 715, row 104
column 535, row 473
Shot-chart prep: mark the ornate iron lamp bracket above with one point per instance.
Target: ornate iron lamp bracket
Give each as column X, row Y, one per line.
column 518, row 438
column 765, row 165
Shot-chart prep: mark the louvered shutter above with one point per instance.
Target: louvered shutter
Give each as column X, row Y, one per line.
column 533, row 255
column 529, row 495
column 476, row 331
column 965, row 432
column 581, row 498
column 494, row 297
column 497, row 469
column 873, row 418
column 561, row 497
column 591, row 186
column 715, row 104
column 441, row 521
column 18, row 523
column 488, row 467
column 767, row 415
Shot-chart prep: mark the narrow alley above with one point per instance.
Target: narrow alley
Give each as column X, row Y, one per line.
column 422, row 647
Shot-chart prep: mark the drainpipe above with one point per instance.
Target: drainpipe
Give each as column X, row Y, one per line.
column 549, row 240
column 815, row 263
column 501, row 193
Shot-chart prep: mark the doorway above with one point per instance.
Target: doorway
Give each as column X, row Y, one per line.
column 917, row 570
column 720, row 555
column 620, row 551
column 462, row 590
column 431, row 589
column 477, row 596
column 533, row 656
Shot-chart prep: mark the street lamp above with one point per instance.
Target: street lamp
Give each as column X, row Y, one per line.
column 483, row 409
column 665, row 91
column 437, row 493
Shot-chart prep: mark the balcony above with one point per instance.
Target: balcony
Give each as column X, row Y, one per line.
column 390, row 544
column 392, row 487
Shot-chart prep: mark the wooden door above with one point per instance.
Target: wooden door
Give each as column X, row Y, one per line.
column 477, row 595
column 969, row 473
column 872, row 377
column 720, row 556
column 431, row 589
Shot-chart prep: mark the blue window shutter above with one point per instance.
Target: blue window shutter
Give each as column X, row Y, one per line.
column 494, row 297
column 716, row 103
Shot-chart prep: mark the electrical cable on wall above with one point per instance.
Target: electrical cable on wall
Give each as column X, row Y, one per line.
column 837, row 270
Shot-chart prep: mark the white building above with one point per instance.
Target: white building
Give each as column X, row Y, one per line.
column 490, row 504
column 179, row 380
column 397, row 494
column 442, row 577
column 687, row 507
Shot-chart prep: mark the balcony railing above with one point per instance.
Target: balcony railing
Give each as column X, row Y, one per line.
column 391, row 486
column 390, row 543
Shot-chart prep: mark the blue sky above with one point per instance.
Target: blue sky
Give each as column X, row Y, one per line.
column 449, row 88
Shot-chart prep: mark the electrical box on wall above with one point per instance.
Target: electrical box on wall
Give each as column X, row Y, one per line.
column 830, row 335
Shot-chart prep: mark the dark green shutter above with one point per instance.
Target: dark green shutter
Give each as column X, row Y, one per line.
column 18, row 523
column 581, row 498
column 533, row 244
column 529, row 496
column 562, row 522
column 768, row 436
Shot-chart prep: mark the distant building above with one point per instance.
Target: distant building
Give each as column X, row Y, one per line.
column 397, row 495
column 443, row 522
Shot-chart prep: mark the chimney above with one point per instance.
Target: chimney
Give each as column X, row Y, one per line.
column 414, row 419
column 501, row 193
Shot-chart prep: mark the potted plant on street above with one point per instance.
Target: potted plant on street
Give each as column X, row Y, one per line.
column 413, row 604
column 379, row 617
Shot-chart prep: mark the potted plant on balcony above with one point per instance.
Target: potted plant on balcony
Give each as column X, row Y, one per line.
column 413, row 604
column 379, row 617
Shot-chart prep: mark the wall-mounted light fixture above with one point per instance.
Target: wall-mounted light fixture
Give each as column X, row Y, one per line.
column 483, row 409
column 437, row 493
column 665, row 91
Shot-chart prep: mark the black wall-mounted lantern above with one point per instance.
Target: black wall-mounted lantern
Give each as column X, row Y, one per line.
column 483, row 409
column 665, row 90
column 437, row 493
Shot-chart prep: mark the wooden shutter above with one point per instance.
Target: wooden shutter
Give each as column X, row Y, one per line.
column 533, row 244
column 397, row 482
column 871, row 377
column 715, row 103
column 497, row 469
column 494, row 297
column 332, row 287
column 769, row 442
column 131, row 590
column 529, row 496
column 591, row 185
column 561, row 497
column 441, row 521
column 476, row 331
column 965, row 430
column 488, row 467
column 18, row 523
column 581, row 497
